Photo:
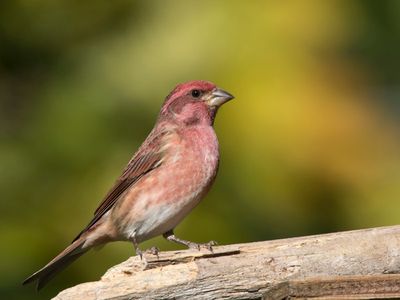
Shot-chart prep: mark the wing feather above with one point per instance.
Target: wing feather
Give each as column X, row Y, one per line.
column 147, row 158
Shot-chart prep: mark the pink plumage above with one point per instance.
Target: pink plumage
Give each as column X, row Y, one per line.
column 165, row 179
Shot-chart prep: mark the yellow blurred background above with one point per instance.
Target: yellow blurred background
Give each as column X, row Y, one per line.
column 310, row 144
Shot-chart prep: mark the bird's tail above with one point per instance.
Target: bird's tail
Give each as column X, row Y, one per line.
column 59, row 263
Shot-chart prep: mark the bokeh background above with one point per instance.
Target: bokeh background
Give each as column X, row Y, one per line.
column 310, row 144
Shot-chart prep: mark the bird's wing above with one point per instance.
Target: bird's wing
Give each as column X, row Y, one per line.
column 148, row 157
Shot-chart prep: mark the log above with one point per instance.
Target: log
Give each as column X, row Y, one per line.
column 360, row 264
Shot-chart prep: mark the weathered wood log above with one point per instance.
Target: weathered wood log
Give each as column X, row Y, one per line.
column 361, row 264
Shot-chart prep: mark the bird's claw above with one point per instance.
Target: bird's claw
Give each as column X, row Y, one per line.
column 154, row 251
column 208, row 246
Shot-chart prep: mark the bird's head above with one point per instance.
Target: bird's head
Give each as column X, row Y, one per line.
column 194, row 102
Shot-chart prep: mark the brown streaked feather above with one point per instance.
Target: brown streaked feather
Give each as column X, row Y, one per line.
column 60, row 262
column 148, row 157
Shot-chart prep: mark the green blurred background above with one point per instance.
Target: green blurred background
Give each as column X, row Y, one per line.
column 310, row 144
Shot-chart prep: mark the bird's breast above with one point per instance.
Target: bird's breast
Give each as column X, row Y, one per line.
column 192, row 159
column 162, row 198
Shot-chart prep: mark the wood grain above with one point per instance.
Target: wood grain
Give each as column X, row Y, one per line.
column 361, row 264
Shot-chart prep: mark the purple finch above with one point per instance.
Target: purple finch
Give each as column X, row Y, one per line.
column 166, row 178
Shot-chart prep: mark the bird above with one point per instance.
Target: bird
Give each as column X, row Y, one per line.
column 166, row 178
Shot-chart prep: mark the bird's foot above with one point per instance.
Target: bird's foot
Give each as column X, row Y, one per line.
column 198, row 246
column 170, row 236
column 154, row 251
column 139, row 252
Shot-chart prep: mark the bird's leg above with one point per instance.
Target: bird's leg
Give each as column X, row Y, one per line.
column 170, row 236
column 137, row 249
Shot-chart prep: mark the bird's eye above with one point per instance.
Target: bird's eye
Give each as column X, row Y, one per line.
column 196, row 93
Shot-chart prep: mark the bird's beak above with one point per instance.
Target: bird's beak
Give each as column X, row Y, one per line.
column 219, row 97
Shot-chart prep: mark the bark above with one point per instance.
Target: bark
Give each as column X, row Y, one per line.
column 361, row 264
